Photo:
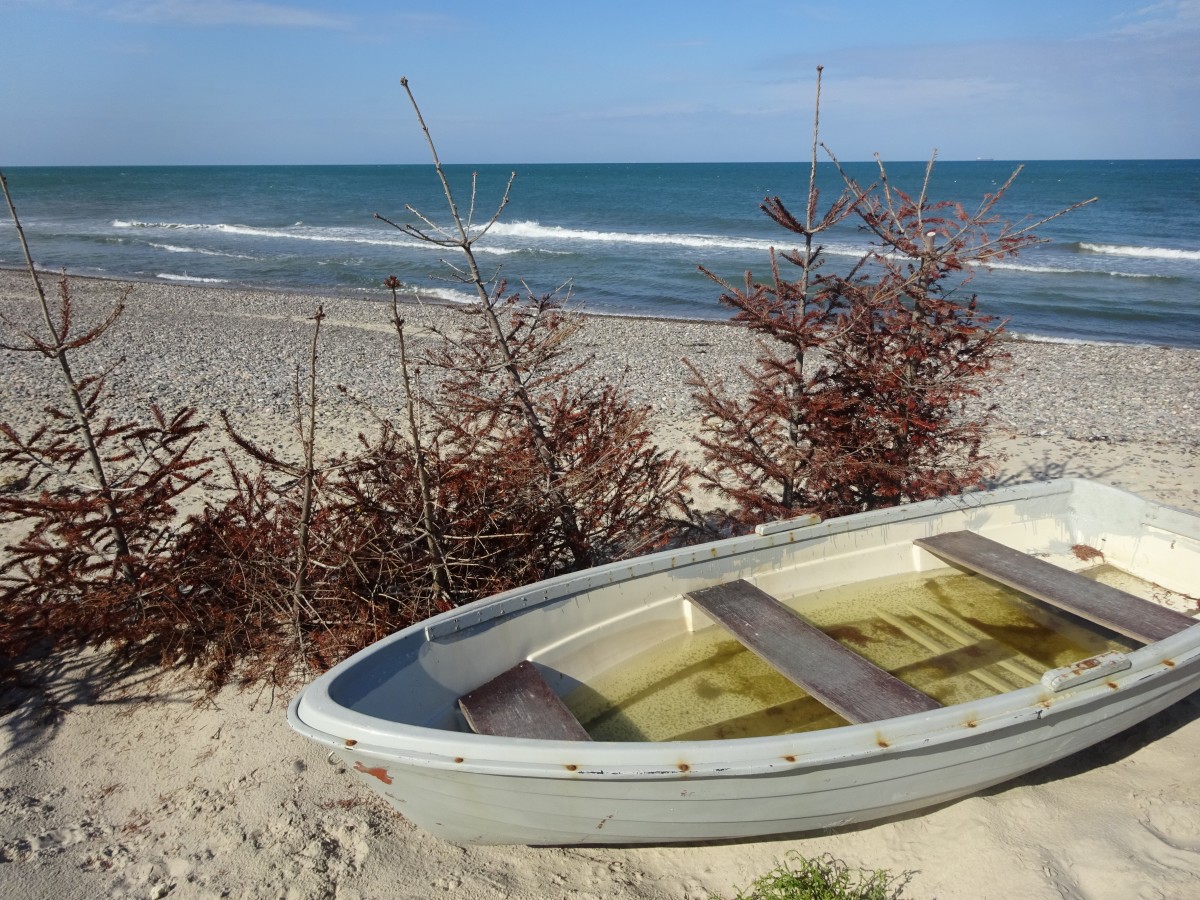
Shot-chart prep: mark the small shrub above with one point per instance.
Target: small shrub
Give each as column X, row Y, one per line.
column 824, row 878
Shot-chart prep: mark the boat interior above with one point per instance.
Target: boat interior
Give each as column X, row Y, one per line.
column 796, row 666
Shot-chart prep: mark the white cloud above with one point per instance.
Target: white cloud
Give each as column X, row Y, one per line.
column 212, row 13
column 1167, row 17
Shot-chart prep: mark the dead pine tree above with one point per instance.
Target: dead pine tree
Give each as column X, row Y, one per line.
column 490, row 296
column 440, row 525
column 761, row 448
column 513, row 395
column 431, row 526
column 273, row 573
column 96, row 497
column 858, row 398
column 303, row 479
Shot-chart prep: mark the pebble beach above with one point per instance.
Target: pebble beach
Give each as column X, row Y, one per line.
column 140, row 792
column 238, row 350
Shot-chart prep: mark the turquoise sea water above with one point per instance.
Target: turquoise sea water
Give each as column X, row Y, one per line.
column 628, row 238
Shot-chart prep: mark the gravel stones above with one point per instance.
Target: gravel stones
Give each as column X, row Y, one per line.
column 240, row 351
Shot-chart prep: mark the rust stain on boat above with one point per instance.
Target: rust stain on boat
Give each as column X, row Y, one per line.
column 1169, row 663
column 1084, row 664
column 684, row 767
column 571, row 767
column 789, row 758
column 377, row 772
column 350, row 742
column 1086, row 553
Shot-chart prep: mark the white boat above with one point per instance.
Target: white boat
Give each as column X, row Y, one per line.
column 685, row 737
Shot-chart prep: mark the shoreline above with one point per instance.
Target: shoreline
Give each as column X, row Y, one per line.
column 135, row 790
column 360, row 295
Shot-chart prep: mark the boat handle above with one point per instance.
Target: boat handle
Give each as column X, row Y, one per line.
column 766, row 528
column 1090, row 669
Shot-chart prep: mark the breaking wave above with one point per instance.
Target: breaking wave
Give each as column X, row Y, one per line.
column 1142, row 252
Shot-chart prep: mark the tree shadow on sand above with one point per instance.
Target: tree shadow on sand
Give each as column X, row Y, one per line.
column 34, row 705
column 1047, row 469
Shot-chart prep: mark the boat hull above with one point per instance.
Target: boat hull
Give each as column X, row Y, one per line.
column 389, row 711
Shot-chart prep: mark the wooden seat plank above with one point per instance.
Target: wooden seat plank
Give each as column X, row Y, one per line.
column 851, row 686
column 519, row 703
column 1115, row 609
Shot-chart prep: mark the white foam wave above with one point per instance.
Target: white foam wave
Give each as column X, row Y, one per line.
column 166, row 276
column 1029, row 338
column 175, row 248
column 499, row 240
column 295, row 232
column 535, row 231
column 511, row 251
column 300, row 232
column 448, row 294
column 125, row 223
column 1148, row 252
column 423, row 292
column 1059, row 270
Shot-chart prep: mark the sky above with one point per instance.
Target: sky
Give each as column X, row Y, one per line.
column 162, row 82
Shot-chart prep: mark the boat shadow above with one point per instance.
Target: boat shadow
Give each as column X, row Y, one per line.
column 1110, row 751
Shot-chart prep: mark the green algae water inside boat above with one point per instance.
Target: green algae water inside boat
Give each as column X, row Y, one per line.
column 810, row 675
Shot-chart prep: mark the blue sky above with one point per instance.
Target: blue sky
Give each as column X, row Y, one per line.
column 317, row 81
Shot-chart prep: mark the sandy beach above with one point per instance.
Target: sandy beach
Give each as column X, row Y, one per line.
column 125, row 789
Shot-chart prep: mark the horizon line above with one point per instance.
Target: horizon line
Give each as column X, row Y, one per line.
column 872, row 160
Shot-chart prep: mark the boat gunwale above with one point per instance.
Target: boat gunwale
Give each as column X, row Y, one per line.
column 422, row 747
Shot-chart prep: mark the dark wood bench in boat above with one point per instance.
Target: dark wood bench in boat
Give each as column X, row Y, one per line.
column 519, row 703
column 853, row 687
column 1115, row 609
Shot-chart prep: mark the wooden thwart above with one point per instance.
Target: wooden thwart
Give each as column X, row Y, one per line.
column 854, row 688
column 519, row 703
column 1115, row 609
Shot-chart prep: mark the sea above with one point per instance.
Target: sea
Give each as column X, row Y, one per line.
column 625, row 239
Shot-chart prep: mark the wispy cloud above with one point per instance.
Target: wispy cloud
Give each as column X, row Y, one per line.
column 217, row 13
column 1166, row 17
